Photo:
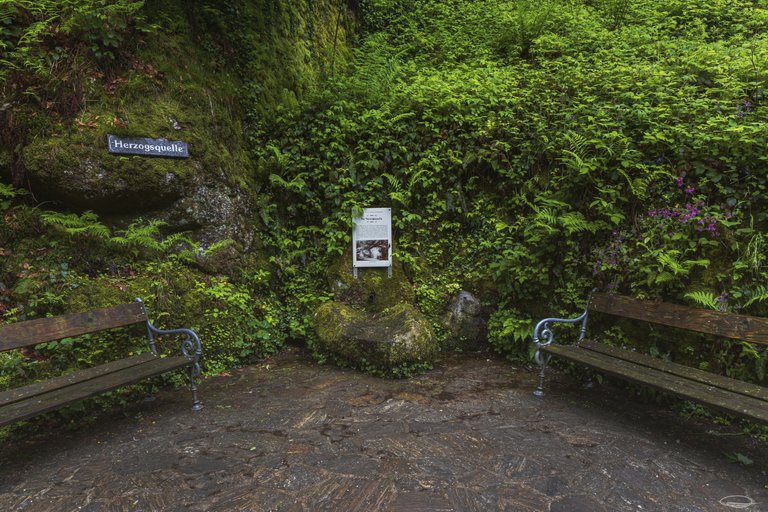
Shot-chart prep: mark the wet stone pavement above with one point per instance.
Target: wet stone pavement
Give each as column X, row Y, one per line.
column 288, row 435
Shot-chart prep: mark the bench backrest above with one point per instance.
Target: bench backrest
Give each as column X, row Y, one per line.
column 32, row 332
column 728, row 325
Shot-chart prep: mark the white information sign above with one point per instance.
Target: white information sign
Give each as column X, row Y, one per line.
column 372, row 239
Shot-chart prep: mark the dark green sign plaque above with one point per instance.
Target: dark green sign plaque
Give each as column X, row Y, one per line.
column 147, row 147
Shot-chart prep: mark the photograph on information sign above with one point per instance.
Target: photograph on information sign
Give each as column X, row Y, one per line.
column 372, row 250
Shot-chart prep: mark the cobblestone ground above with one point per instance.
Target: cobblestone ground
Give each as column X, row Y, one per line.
column 289, row 435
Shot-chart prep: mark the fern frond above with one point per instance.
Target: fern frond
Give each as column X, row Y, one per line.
column 393, row 181
column 398, row 197
column 419, row 178
column 548, row 201
column 574, row 222
column 759, row 294
column 663, row 277
column 280, row 158
column 667, row 260
column 177, row 240
column 297, row 184
column 217, row 246
column 277, row 180
column 578, row 145
column 72, row 224
column 141, row 236
column 702, row 298
column 547, row 216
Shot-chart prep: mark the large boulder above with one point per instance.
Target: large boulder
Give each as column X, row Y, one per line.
column 215, row 212
column 84, row 177
column 372, row 290
column 394, row 338
column 465, row 322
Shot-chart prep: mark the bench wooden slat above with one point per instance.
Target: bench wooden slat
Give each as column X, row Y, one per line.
column 712, row 396
column 38, row 388
column 741, row 327
column 32, row 332
column 47, row 402
column 711, row 379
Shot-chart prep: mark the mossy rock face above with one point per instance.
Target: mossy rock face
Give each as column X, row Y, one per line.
column 182, row 193
column 215, row 212
column 372, row 290
column 396, row 337
column 196, row 79
column 160, row 293
column 156, row 97
column 85, row 177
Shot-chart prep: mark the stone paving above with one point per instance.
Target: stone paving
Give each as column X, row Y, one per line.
column 288, row 435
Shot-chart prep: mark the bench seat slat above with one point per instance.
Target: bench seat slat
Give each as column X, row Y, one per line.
column 728, row 325
column 41, row 330
column 715, row 397
column 38, row 388
column 55, row 399
column 711, row 379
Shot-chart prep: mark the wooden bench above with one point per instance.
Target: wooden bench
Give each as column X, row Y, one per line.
column 722, row 393
column 33, row 399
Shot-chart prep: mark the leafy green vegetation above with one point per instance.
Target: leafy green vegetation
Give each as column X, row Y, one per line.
column 534, row 150
column 530, row 152
column 35, row 35
column 239, row 320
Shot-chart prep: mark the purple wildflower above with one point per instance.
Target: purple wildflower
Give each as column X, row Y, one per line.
column 722, row 299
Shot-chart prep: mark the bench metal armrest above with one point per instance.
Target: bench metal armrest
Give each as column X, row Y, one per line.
column 543, row 330
column 190, row 346
column 543, row 334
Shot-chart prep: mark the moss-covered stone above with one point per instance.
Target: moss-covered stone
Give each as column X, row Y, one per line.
column 372, row 290
column 282, row 50
column 465, row 322
column 396, row 337
column 80, row 176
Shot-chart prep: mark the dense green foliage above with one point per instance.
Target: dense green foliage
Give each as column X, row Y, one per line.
column 547, row 147
column 530, row 152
